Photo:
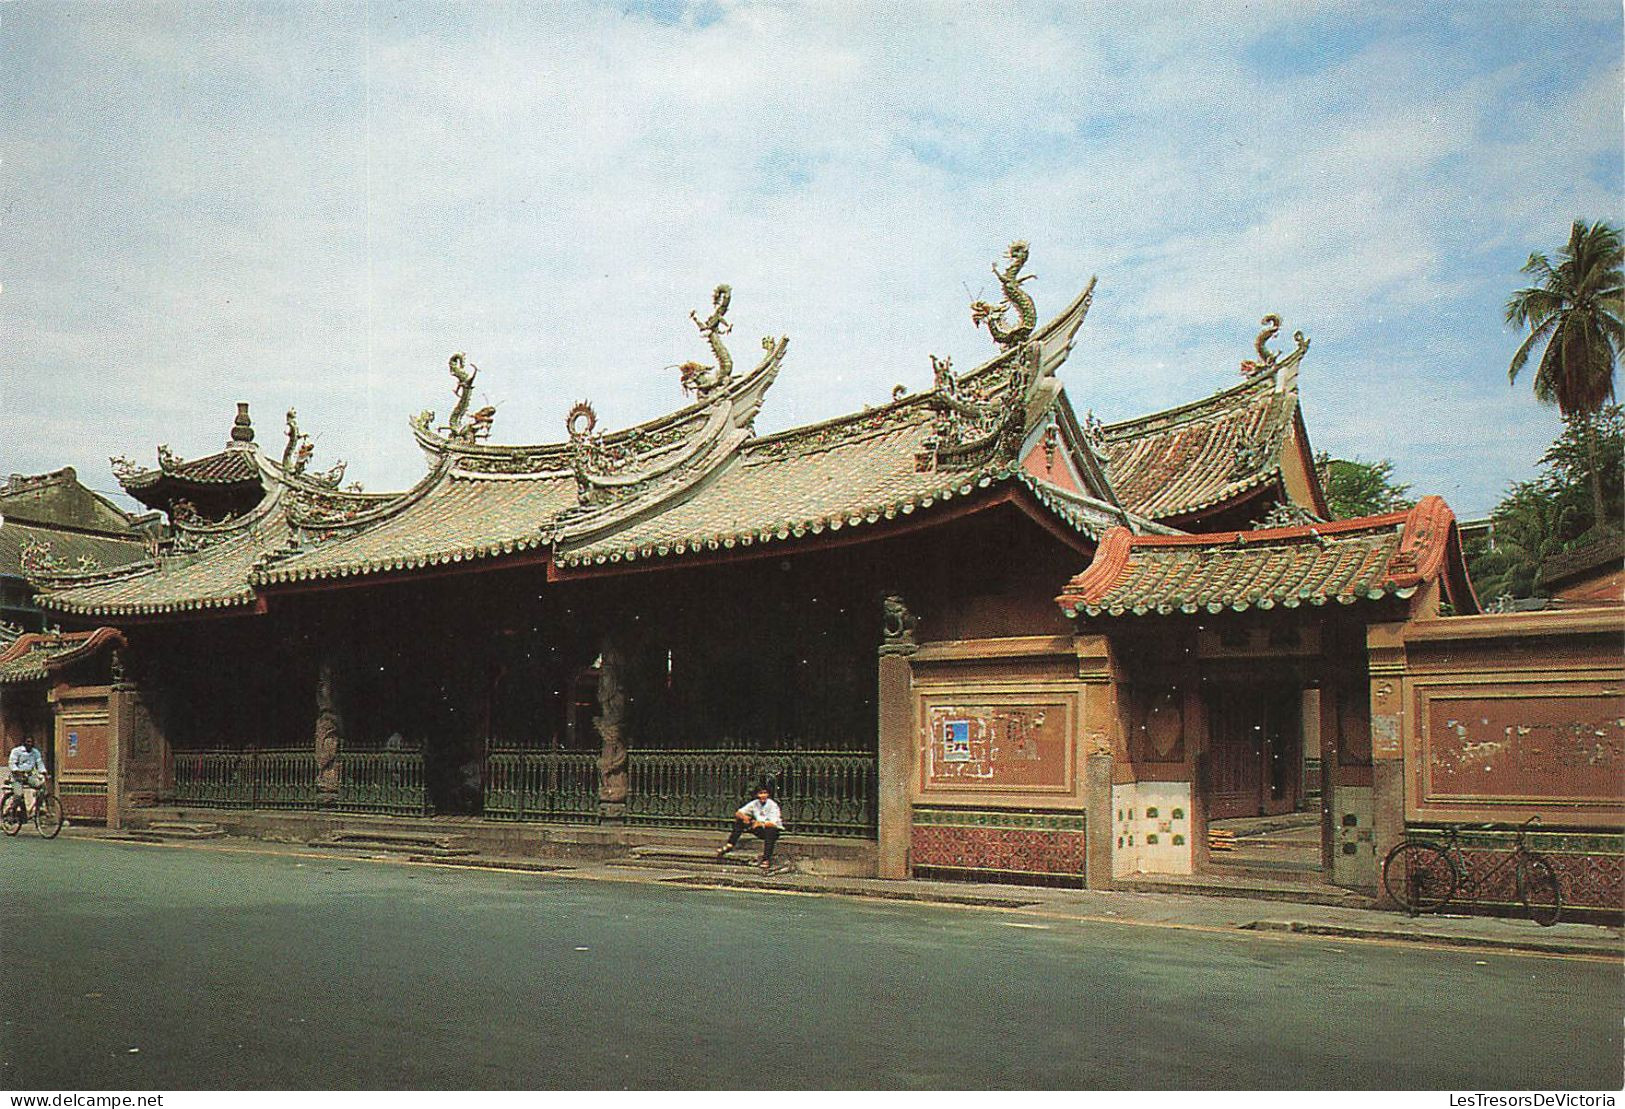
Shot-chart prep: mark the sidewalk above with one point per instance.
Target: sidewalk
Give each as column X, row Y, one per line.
column 1123, row 907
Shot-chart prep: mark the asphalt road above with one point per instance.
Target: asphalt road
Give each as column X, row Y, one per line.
column 191, row 968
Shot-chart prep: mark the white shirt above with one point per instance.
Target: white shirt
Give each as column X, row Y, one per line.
column 764, row 812
column 25, row 759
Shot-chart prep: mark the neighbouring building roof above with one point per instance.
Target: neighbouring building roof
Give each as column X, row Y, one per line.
column 59, row 499
column 698, row 480
column 1343, row 562
column 1592, row 570
column 1245, row 442
column 31, row 657
column 52, row 522
column 216, row 486
column 27, row 549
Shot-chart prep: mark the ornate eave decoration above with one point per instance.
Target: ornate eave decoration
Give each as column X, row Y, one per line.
column 985, row 415
column 623, row 475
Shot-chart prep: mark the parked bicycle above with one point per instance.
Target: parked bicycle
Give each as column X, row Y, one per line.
column 46, row 813
column 1423, row 876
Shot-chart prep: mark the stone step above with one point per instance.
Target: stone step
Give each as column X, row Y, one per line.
column 404, row 843
column 687, row 858
column 1303, row 893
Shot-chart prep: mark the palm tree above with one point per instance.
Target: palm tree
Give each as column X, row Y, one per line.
column 1576, row 308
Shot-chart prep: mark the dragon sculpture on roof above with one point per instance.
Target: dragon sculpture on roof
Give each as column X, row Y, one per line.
column 1015, row 298
column 697, row 377
column 1268, row 359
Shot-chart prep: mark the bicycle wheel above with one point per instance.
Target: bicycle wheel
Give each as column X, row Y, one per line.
column 1539, row 890
column 48, row 816
column 1420, row 877
column 11, row 817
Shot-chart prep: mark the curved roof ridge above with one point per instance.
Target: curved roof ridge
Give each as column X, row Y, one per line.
column 432, row 441
column 1194, row 410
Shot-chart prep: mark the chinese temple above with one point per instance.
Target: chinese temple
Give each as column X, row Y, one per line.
column 628, row 629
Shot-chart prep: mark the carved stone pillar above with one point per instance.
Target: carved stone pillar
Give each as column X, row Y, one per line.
column 329, row 734
column 1385, row 663
column 611, row 726
column 896, row 761
column 1102, row 738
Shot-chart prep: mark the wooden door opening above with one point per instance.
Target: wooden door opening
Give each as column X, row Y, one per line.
column 1255, row 737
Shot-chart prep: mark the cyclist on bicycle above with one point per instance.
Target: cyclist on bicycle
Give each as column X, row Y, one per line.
column 27, row 770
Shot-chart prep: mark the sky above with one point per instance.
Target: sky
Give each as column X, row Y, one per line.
column 313, row 205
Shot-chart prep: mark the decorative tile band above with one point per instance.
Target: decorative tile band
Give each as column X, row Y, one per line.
column 1006, row 846
column 1547, row 843
column 994, row 818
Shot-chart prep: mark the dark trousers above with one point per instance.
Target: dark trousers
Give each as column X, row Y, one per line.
column 767, row 833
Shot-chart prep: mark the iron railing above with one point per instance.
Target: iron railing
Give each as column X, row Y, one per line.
column 285, row 778
column 523, row 784
column 382, row 781
column 831, row 793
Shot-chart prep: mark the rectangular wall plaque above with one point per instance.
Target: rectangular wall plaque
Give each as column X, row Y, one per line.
column 998, row 745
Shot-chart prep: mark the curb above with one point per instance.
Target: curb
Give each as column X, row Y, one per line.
column 1544, row 947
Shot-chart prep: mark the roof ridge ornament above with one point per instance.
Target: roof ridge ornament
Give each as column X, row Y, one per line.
column 242, row 428
column 1268, row 359
column 991, row 316
column 1285, row 514
column 297, row 453
column 701, row 379
column 478, row 426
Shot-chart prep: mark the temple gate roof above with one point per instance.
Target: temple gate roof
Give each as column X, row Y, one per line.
column 1370, row 558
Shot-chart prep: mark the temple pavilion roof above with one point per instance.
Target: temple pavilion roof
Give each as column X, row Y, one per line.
column 1371, row 558
column 697, row 480
column 32, row 656
column 1227, row 448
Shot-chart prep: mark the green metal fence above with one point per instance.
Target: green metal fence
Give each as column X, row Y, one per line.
column 831, row 793
column 285, row 778
column 382, row 781
column 541, row 785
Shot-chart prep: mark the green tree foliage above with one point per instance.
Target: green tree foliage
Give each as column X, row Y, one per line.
column 1577, row 309
column 1355, row 488
column 1555, row 511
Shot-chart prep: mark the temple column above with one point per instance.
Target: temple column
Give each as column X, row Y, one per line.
column 896, row 754
column 329, row 734
column 1385, row 653
column 611, row 726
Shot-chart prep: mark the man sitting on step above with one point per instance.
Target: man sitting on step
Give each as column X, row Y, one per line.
column 761, row 819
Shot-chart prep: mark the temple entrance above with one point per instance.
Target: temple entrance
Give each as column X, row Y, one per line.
column 1256, row 743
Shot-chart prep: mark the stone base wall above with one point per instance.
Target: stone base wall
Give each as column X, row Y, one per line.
column 999, row 845
column 83, row 801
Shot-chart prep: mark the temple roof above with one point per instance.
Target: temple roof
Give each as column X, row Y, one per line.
column 1347, row 561
column 696, row 480
column 1200, row 457
column 32, row 656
